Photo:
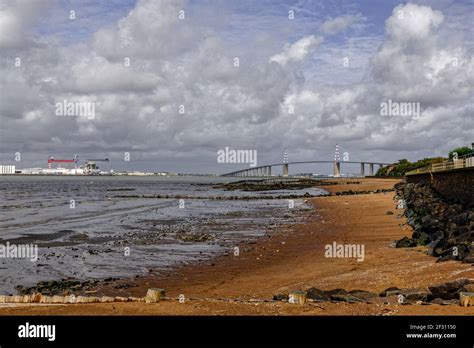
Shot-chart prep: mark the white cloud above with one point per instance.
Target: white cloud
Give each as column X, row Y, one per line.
column 191, row 63
column 16, row 20
column 338, row 24
column 298, row 50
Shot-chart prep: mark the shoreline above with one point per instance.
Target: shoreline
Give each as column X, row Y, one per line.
column 292, row 258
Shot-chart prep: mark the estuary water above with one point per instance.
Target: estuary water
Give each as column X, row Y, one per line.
column 98, row 227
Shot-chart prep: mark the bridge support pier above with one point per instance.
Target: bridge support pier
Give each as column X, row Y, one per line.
column 371, row 170
column 337, row 169
column 285, row 169
column 362, row 169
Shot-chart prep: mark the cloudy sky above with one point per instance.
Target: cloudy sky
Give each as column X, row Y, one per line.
column 173, row 82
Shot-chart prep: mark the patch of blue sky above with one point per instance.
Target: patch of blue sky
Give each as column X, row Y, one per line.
column 90, row 16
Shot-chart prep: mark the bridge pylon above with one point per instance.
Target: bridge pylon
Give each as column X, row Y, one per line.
column 337, row 162
column 337, row 169
column 285, row 163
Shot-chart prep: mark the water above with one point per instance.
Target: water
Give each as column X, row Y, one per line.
column 87, row 227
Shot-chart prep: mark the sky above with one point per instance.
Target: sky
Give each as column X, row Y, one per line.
column 172, row 82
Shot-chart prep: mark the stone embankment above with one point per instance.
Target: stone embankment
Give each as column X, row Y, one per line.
column 446, row 227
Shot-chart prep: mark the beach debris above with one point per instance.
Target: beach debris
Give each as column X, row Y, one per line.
column 297, row 297
column 69, row 299
column 107, row 299
column 120, row 299
column 466, row 299
column 135, row 299
column 57, row 299
column 17, row 299
column 154, row 295
column 46, row 299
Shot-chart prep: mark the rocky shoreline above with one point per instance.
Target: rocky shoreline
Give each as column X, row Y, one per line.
column 450, row 293
column 446, row 227
column 274, row 184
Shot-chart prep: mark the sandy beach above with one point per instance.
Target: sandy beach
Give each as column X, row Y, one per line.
column 293, row 258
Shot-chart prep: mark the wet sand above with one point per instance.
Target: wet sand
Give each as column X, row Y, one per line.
column 293, row 259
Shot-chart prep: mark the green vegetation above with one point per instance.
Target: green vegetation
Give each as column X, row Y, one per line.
column 403, row 165
column 461, row 151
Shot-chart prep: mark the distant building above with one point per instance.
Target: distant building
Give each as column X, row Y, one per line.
column 7, row 169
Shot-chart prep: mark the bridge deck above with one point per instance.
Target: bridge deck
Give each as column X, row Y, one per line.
column 300, row 162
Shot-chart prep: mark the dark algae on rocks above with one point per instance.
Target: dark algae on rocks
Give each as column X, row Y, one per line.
column 446, row 226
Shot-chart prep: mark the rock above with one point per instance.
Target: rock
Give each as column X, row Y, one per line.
column 384, row 300
column 416, row 294
column 336, row 292
column 444, row 225
column 135, row 299
column 297, row 297
column 442, row 302
column 345, row 298
column 393, row 293
column 450, row 290
column 154, row 295
column 466, row 299
column 389, row 213
column 421, row 238
column 317, row 295
column 405, row 242
column 280, row 297
column 363, row 295
column 3, row 299
column 468, row 287
column 391, row 289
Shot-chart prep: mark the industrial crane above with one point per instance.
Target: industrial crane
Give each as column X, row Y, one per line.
column 51, row 159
